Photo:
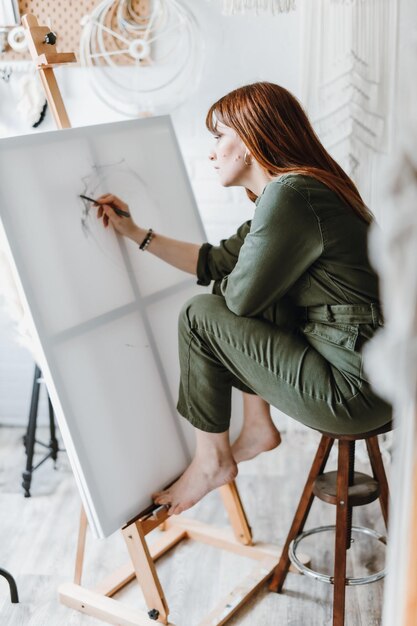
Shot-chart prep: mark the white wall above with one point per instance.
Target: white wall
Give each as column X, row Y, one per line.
column 239, row 50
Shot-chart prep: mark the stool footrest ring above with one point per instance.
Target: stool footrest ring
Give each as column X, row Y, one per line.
column 363, row 580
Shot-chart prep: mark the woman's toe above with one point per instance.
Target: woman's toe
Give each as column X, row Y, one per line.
column 164, row 498
column 181, row 507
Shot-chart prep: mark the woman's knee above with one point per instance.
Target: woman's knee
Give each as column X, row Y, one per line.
column 199, row 309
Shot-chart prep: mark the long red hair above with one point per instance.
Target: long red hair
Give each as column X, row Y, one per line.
column 277, row 132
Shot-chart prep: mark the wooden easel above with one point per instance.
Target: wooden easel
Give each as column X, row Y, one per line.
column 99, row 602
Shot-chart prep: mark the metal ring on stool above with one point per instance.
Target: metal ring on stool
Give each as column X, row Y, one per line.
column 324, row 577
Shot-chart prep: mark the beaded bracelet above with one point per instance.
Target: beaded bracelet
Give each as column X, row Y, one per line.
column 148, row 238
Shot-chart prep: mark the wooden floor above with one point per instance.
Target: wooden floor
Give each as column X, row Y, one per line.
column 38, row 536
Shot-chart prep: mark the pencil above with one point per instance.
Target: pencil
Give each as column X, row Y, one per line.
column 116, row 209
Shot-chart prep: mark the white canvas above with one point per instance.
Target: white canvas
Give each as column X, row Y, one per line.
column 100, row 307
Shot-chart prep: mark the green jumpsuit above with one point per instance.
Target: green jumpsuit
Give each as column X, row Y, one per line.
column 294, row 300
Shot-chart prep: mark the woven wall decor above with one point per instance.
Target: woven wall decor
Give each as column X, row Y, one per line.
column 347, row 79
column 257, row 7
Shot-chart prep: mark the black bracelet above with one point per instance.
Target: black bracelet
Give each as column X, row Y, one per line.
column 148, row 238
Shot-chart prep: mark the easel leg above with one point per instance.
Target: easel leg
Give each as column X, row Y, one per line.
column 29, row 439
column 145, row 571
column 53, row 442
column 79, row 560
column 237, row 516
column 54, row 97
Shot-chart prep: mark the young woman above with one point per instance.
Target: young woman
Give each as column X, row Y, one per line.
column 294, row 296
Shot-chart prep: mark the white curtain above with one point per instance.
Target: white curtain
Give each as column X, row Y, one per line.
column 347, row 79
column 391, row 357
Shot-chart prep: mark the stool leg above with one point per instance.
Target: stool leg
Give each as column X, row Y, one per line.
column 302, row 512
column 351, row 480
column 342, row 523
column 378, row 470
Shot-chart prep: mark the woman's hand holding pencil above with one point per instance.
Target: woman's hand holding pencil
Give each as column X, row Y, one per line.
column 180, row 254
column 112, row 209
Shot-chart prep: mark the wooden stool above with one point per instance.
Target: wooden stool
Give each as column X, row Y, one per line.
column 346, row 489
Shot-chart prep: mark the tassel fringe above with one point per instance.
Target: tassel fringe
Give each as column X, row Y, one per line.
column 233, row 7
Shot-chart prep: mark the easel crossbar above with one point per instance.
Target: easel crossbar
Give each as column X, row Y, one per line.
column 95, row 602
column 177, row 529
column 103, row 608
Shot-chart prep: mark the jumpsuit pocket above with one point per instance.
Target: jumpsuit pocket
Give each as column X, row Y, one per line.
column 343, row 335
column 337, row 343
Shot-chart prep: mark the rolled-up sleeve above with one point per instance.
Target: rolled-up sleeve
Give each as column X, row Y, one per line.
column 284, row 240
column 216, row 262
column 203, row 271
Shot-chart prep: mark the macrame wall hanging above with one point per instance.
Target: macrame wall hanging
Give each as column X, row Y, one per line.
column 235, row 7
column 347, row 79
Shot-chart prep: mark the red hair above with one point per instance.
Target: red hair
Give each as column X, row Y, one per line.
column 274, row 127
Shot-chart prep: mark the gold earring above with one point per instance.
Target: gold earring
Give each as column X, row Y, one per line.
column 245, row 158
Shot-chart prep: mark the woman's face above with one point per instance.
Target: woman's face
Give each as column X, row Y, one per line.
column 228, row 156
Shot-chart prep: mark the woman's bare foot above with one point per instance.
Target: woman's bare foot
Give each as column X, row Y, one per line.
column 259, row 433
column 198, row 479
column 252, row 441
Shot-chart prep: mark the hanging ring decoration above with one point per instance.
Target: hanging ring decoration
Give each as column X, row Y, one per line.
column 142, row 63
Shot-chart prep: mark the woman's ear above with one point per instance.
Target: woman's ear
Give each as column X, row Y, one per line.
column 247, row 159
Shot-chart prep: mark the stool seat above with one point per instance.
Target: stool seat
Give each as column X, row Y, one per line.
column 385, row 428
column 364, row 490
